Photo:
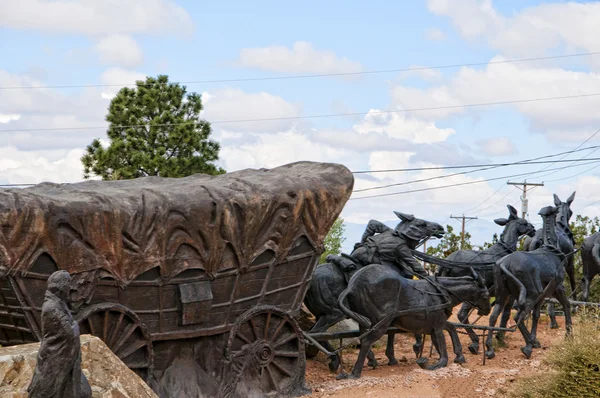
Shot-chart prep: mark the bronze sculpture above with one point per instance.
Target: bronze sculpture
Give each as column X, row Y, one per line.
column 379, row 244
column 377, row 296
column 529, row 277
column 58, row 372
column 207, row 265
column 590, row 261
column 565, row 243
column 514, row 228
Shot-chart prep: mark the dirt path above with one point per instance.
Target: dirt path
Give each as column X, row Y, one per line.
column 472, row 379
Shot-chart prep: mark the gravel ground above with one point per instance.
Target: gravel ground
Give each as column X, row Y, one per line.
column 472, row 379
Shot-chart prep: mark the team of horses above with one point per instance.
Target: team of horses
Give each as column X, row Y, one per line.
column 377, row 296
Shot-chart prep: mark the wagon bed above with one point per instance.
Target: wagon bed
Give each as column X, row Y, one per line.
column 163, row 261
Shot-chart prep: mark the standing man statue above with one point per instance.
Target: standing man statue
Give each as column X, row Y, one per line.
column 58, row 372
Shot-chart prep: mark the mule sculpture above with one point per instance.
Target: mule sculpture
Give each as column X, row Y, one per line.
column 378, row 297
column 514, row 228
column 590, row 261
column 566, row 244
column 390, row 246
column 522, row 276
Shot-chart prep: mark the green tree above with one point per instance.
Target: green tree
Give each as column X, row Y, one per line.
column 487, row 245
column 449, row 243
column 334, row 239
column 154, row 130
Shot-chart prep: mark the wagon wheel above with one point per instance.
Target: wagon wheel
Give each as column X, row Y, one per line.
column 123, row 332
column 271, row 339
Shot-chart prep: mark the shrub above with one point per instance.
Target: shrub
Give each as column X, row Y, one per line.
column 575, row 364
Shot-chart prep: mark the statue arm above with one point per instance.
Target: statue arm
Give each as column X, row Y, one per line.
column 405, row 257
column 374, row 227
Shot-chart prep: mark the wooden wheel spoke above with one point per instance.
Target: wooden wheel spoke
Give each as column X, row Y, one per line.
column 267, row 324
column 105, row 329
column 91, row 325
column 287, row 354
column 278, row 330
column 286, row 340
column 114, row 331
column 138, row 365
column 130, row 329
column 240, row 336
column 131, row 349
column 270, row 374
column 282, row 369
column 254, row 329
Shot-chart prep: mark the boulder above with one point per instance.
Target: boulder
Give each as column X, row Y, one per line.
column 108, row 376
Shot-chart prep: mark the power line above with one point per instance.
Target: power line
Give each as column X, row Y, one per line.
column 460, row 184
column 490, row 197
column 309, row 76
column 521, row 163
column 526, row 161
column 482, row 104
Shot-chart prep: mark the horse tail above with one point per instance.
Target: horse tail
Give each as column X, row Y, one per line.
column 360, row 319
column 522, row 290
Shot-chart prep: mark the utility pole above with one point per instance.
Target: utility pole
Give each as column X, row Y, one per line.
column 523, row 187
column 462, row 234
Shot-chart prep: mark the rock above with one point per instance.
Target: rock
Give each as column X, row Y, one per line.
column 108, row 376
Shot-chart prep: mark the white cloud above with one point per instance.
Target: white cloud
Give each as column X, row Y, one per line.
column 497, row 146
column 235, row 104
column 506, row 82
column 32, row 167
column 121, row 50
column 301, row 58
column 435, row 34
column 97, row 17
column 533, row 30
column 7, row 118
column 398, row 125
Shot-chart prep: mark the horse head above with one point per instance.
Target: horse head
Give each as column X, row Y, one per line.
column 482, row 298
column 416, row 228
column 564, row 208
column 514, row 226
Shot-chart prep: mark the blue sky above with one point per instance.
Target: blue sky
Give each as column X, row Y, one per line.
column 69, row 42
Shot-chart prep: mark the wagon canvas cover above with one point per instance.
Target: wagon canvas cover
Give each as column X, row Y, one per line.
column 203, row 222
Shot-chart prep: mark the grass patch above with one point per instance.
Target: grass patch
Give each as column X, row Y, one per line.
column 574, row 363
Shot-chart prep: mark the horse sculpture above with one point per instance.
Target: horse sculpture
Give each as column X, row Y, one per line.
column 590, row 261
column 566, row 244
column 378, row 297
column 514, row 228
column 523, row 275
column 331, row 278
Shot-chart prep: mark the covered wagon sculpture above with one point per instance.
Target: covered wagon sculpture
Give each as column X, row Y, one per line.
column 208, row 270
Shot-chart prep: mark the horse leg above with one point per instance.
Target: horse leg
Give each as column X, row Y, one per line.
column 439, row 341
column 456, row 344
column 534, row 324
column 528, row 348
column 418, row 346
column 561, row 296
column 498, row 308
column 390, row 352
column 323, row 323
column 570, row 268
column 371, row 361
column 552, row 315
column 365, row 346
column 463, row 317
column 585, row 287
column 504, row 320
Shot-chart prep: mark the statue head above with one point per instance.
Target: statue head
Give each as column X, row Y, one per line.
column 564, row 208
column 59, row 284
column 416, row 229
